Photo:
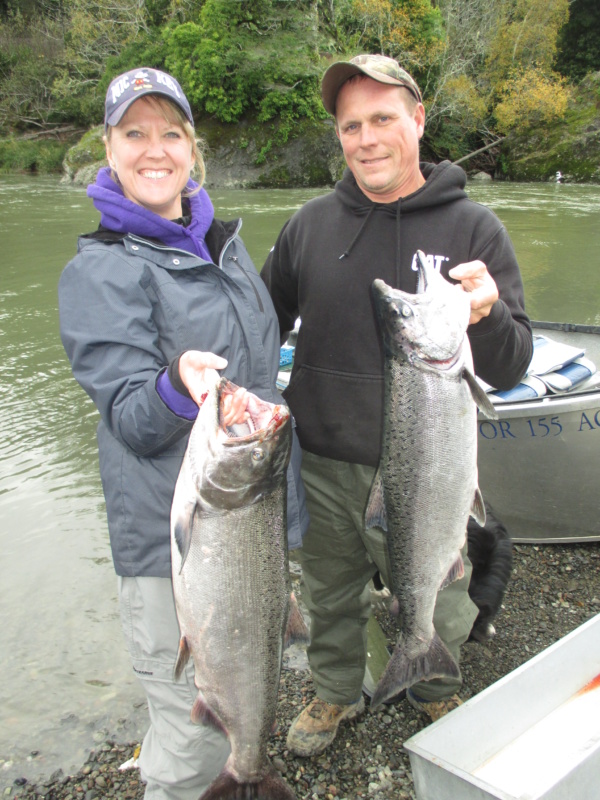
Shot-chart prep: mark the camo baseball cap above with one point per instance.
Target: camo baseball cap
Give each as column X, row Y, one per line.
column 380, row 68
column 125, row 89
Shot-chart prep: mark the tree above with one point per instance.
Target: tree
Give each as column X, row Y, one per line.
column 31, row 45
column 260, row 56
column 531, row 98
column 409, row 30
column 453, row 83
column 527, row 36
column 579, row 40
column 523, row 87
column 96, row 31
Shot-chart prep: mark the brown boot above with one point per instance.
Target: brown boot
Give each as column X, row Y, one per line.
column 316, row 726
column 434, row 709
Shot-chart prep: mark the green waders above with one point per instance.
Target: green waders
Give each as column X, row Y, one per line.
column 339, row 557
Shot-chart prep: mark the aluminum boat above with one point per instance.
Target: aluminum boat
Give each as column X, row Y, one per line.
column 539, row 463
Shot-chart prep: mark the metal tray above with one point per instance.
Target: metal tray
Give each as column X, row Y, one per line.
column 533, row 735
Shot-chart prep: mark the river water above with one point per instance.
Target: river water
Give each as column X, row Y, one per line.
column 66, row 679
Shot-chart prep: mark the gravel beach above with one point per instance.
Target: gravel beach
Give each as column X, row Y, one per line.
column 553, row 590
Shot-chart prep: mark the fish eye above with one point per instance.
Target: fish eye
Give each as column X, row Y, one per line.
column 406, row 311
column 257, row 454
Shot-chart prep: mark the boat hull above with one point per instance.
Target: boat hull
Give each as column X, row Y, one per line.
column 539, row 463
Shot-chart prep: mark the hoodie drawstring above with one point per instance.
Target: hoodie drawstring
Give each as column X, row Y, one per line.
column 346, row 253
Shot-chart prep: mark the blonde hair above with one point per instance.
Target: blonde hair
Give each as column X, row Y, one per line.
column 175, row 116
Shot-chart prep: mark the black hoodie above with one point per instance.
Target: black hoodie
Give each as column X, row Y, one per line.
column 321, row 270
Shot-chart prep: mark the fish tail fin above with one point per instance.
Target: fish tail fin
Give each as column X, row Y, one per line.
column 403, row 671
column 270, row 787
column 296, row 631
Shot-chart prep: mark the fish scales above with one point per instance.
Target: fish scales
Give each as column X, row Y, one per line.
column 426, row 485
column 231, row 585
column 241, row 624
column 426, row 469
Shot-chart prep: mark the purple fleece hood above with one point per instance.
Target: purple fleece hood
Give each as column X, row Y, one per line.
column 124, row 216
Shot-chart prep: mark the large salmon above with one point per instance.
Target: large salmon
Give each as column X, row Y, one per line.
column 426, row 485
column 231, row 582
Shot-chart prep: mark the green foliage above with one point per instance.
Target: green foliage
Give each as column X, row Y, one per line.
column 411, row 31
column 526, row 37
column 27, row 71
column 579, row 40
column 42, row 157
column 88, row 150
column 147, row 51
column 245, row 57
column 483, row 67
column 96, row 31
column 530, row 98
column 203, row 62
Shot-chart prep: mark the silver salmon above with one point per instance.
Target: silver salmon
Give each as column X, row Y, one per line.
column 231, row 582
column 426, row 485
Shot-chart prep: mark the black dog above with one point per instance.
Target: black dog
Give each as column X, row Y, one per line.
column 490, row 552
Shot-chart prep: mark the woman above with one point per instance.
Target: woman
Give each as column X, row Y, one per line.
column 159, row 294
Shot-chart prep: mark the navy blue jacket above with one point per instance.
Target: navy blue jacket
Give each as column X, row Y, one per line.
column 128, row 306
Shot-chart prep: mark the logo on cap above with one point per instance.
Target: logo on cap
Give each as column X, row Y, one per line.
column 127, row 87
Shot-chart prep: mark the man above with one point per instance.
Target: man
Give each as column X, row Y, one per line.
column 386, row 207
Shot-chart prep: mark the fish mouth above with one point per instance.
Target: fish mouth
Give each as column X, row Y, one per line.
column 440, row 364
column 263, row 418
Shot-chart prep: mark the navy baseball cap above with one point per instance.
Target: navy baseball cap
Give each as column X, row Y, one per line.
column 380, row 68
column 125, row 89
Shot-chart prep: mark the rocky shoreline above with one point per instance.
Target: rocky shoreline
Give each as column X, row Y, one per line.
column 553, row 590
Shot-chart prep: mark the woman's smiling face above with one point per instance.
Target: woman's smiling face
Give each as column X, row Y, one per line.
column 152, row 156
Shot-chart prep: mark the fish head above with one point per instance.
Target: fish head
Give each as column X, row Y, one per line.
column 242, row 462
column 427, row 328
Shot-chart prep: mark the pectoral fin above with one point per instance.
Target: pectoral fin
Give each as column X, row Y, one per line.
column 183, row 656
column 483, row 402
column 296, row 631
column 478, row 508
column 182, row 530
column 375, row 515
column 455, row 573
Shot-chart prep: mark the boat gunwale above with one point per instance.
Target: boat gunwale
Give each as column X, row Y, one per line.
column 566, row 401
column 567, row 327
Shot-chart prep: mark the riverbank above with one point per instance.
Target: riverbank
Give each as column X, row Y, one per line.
column 553, row 590
column 250, row 155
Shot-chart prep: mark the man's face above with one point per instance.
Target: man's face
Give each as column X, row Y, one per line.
column 380, row 138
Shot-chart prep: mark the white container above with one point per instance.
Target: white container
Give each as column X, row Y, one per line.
column 533, row 735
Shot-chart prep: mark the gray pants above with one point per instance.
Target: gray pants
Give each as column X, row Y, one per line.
column 339, row 557
column 178, row 759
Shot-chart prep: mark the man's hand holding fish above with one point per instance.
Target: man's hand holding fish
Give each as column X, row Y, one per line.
column 475, row 279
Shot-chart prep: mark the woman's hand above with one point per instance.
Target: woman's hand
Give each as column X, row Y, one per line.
column 198, row 371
